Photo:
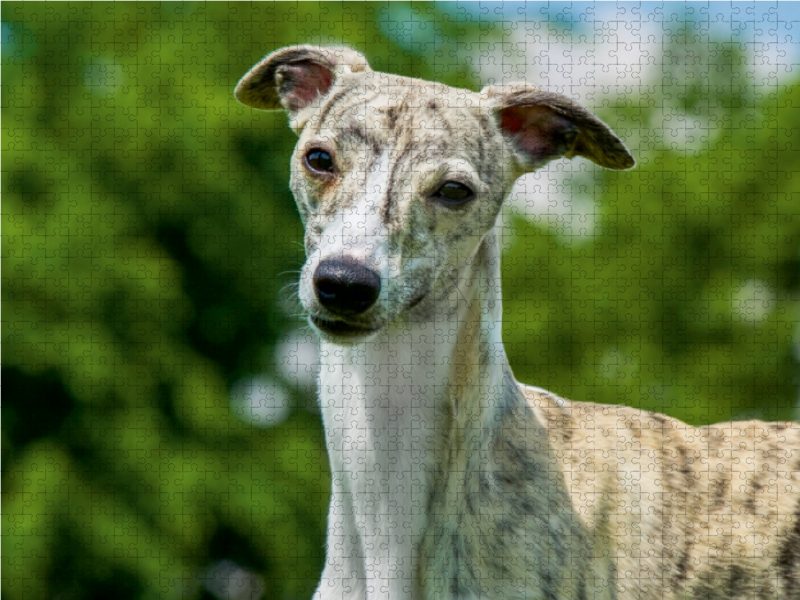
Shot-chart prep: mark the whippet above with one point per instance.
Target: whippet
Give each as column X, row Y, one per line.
column 450, row 479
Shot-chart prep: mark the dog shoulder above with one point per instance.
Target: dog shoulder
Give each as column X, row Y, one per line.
column 590, row 425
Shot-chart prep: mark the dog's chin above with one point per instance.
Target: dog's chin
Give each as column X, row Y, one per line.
column 341, row 332
column 344, row 333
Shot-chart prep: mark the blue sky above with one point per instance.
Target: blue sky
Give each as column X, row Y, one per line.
column 772, row 25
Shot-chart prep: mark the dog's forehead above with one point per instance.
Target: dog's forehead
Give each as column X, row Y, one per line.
column 416, row 118
column 386, row 102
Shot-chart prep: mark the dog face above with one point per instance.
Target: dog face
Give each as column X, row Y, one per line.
column 398, row 180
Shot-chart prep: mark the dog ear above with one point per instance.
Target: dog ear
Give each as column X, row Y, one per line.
column 544, row 126
column 294, row 77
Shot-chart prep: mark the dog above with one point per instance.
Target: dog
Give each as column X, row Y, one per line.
column 450, row 479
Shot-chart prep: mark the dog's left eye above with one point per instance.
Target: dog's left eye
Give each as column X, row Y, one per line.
column 453, row 193
column 319, row 161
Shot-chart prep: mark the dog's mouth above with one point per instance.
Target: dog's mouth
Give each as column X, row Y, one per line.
column 338, row 329
column 419, row 298
column 341, row 329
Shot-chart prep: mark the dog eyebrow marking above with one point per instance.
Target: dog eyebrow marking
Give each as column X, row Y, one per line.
column 354, row 134
column 334, row 101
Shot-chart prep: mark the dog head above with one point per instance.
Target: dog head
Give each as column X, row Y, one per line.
column 398, row 180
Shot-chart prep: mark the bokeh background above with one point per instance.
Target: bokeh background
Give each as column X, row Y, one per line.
column 160, row 437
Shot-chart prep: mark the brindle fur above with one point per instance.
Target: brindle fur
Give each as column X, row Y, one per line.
column 450, row 479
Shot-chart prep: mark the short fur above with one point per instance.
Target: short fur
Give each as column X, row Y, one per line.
column 450, row 479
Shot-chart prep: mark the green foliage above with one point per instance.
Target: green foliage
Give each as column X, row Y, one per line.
column 149, row 228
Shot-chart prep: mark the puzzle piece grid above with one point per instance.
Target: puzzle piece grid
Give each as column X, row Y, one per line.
column 160, row 430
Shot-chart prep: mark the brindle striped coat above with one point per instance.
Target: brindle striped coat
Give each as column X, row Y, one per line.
column 450, row 479
column 661, row 509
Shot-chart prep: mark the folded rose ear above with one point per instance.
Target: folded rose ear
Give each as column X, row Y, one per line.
column 544, row 126
column 294, row 77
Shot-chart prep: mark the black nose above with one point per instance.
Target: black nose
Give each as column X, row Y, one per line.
column 345, row 286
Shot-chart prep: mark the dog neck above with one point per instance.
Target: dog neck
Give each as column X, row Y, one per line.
column 408, row 411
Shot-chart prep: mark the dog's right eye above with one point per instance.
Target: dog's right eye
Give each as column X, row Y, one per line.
column 453, row 193
column 319, row 161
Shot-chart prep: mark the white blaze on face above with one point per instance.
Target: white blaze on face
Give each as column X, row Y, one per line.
column 359, row 231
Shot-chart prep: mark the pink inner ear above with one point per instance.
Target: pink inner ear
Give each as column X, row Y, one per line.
column 303, row 82
column 511, row 121
column 538, row 131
